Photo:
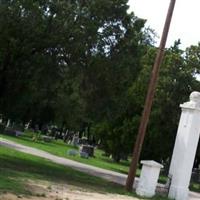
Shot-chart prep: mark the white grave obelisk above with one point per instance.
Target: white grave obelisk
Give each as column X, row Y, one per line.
column 185, row 148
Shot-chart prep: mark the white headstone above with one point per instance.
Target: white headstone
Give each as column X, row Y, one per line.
column 8, row 123
column 148, row 178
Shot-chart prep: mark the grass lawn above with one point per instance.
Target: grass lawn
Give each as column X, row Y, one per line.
column 60, row 148
column 17, row 167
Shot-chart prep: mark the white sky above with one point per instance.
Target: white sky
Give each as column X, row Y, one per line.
column 185, row 21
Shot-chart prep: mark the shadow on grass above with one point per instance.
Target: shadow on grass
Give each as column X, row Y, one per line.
column 16, row 166
column 108, row 160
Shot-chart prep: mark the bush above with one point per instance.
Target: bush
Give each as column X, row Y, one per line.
column 116, row 138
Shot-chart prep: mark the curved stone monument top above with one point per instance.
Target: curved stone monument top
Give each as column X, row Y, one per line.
column 195, row 97
column 194, row 102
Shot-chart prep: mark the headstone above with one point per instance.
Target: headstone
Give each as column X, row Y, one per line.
column 27, row 125
column 87, row 149
column 148, row 178
column 83, row 141
column 75, row 140
column 84, row 155
column 1, row 118
column 10, row 131
column 8, row 123
column 72, row 152
column 2, row 125
column 18, row 133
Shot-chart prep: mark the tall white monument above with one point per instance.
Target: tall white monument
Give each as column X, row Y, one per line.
column 185, row 148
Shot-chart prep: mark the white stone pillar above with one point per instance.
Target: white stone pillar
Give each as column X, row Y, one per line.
column 148, row 178
column 185, row 148
column 8, row 123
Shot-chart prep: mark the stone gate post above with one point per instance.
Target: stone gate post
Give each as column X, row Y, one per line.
column 185, row 148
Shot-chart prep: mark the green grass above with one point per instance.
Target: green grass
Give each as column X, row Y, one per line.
column 195, row 187
column 60, row 148
column 17, row 167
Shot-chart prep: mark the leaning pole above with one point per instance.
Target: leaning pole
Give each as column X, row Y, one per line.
column 149, row 99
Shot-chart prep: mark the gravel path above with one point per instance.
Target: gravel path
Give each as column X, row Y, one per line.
column 95, row 171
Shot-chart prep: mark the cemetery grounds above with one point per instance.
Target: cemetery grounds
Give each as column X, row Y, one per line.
column 29, row 177
column 24, row 175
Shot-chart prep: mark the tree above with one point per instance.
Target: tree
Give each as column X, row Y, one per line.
column 108, row 76
column 57, row 53
column 176, row 82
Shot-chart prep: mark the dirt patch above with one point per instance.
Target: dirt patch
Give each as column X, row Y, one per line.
column 70, row 195
column 55, row 191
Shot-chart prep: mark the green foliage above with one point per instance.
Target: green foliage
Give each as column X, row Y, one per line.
column 114, row 138
column 86, row 64
column 58, row 57
column 68, row 62
column 36, row 136
column 175, row 83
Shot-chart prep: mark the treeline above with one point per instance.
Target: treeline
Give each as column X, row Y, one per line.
column 85, row 65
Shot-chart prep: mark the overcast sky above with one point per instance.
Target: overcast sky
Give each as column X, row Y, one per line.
column 185, row 22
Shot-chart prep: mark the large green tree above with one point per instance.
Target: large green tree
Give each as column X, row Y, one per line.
column 176, row 81
column 67, row 60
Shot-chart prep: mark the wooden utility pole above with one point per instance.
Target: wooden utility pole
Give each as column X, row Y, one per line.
column 149, row 100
